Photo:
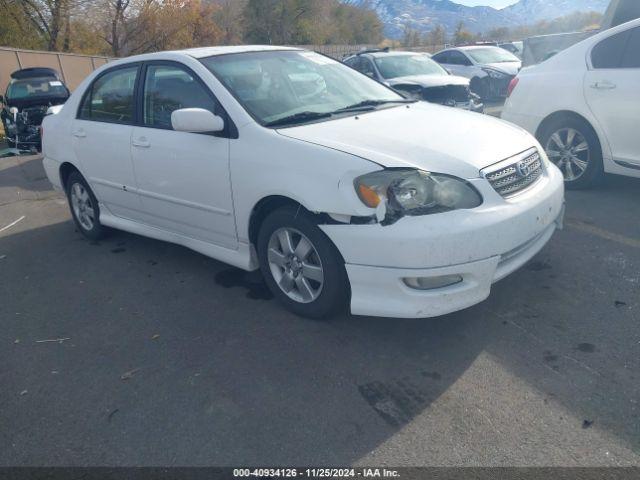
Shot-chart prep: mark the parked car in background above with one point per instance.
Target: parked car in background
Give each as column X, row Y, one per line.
column 514, row 47
column 584, row 106
column 416, row 76
column 30, row 94
column 489, row 68
column 354, row 196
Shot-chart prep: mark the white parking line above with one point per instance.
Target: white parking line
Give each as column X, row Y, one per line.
column 12, row 224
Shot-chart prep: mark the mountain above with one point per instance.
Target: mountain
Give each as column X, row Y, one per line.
column 423, row 15
column 530, row 11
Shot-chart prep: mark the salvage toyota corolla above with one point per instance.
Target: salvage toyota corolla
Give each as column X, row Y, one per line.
column 337, row 188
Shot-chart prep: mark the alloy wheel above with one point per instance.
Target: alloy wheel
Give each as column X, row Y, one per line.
column 570, row 151
column 82, row 206
column 295, row 265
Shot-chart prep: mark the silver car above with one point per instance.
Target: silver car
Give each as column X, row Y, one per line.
column 489, row 68
column 416, row 76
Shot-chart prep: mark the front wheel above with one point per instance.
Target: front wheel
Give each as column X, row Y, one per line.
column 84, row 207
column 300, row 265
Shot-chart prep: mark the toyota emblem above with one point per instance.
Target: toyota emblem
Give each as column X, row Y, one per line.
column 523, row 169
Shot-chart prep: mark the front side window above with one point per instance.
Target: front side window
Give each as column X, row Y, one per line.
column 111, row 97
column 367, row 68
column 168, row 88
column 608, row 53
column 394, row 66
column 491, row 55
column 275, row 85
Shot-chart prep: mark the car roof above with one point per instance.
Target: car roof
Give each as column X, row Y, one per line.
column 473, row 47
column 203, row 52
column 393, row 54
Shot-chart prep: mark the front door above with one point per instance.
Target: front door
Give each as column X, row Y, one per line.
column 101, row 139
column 183, row 178
column 612, row 90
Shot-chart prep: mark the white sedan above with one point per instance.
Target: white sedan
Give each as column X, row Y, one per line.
column 345, row 194
column 584, row 106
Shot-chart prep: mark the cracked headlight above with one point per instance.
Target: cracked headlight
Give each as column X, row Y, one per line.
column 415, row 192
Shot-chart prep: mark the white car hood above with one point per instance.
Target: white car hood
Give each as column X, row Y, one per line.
column 429, row 80
column 425, row 136
column 510, row 68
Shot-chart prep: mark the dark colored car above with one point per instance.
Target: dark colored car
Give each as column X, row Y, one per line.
column 29, row 95
column 416, row 76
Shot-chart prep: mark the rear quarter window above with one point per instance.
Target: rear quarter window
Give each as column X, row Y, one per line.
column 609, row 52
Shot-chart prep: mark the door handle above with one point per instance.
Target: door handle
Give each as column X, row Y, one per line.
column 141, row 143
column 604, row 86
column 80, row 133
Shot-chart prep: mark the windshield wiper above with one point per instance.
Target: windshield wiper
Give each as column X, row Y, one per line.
column 298, row 118
column 370, row 105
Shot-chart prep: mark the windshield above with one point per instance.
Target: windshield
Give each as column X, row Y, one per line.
column 491, row 55
column 394, row 66
column 300, row 85
column 36, row 87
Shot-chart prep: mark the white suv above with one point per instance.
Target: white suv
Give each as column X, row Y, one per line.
column 584, row 106
column 336, row 187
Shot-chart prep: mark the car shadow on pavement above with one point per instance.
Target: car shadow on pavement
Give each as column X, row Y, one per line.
column 24, row 172
column 164, row 365
column 154, row 360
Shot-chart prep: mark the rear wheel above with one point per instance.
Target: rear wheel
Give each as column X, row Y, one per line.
column 301, row 266
column 572, row 144
column 84, row 207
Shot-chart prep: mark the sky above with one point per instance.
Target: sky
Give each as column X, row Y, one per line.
column 491, row 3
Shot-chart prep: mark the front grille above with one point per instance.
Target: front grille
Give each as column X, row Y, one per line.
column 515, row 174
column 443, row 94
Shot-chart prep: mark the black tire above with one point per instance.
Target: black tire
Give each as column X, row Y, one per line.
column 97, row 230
column 335, row 293
column 594, row 171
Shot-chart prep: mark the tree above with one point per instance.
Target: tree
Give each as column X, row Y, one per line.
column 462, row 35
column 437, row 37
column 229, row 19
column 51, row 19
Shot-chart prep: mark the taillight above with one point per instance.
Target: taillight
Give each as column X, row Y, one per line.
column 512, row 85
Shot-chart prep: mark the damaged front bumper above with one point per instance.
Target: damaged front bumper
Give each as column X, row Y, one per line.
column 462, row 253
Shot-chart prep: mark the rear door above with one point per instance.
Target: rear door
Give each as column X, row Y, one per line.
column 101, row 139
column 612, row 91
column 183, row 178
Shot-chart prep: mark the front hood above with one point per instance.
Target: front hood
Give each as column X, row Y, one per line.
column 510, row 68
column 429, row 80
column 425, row 136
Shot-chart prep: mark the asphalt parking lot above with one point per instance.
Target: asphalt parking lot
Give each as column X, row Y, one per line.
column 132, row 351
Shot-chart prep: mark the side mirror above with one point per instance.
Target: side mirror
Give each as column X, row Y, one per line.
column 196, row 120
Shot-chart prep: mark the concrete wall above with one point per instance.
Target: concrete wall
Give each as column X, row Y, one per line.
column 72, row 68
